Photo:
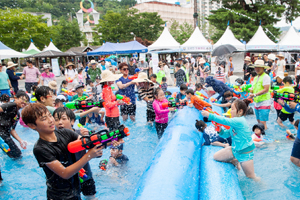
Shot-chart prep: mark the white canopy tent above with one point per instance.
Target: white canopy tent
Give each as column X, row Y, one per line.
column 32, row 46
column 196, row 43
column 6, row 52
column 261, row 42
column 228, row 38
column 52, row 47
column 290, row 42
column 165, row 41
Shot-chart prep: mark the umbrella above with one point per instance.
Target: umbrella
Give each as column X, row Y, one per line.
column 112, row 57
column 114, row 63
column 223, row 49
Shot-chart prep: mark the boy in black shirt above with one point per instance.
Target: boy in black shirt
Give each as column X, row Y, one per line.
column 60, row 166
column 180, row 77
column 117, row 157
column 8, row 120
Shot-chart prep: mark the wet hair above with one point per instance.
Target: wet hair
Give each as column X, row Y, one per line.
column 177, row 65
column 164, row 79
column 33, row 111
column 4, row 97
column 153, row 76
column 190, row 91
column 22, row 93
column 64, row 110
column 183, row 87
column 287, row 79
column 121, row 65
column 297, row 123
column 156, row 91
column 42, row 91
column 200, row 125
column 184, row 62
column 228, row 94
column 29, row 61
column 199, row 85
column 247, row 102
column 64, row 82
column 88, row 82
column 241, row 105
column 33, row 88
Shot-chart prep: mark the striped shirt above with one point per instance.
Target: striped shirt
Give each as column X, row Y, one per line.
column 147, row 91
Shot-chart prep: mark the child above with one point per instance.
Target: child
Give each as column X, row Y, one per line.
column 229, row 99
column 95, row 118
column 117, row 157
column 4, row 99
column 59, row 101
column 8, row 119
column 64, row 85
column 60, row 166
column 93, row 89
column 289, row 134
column 210, row 135
column 80, row 94
column 284, row 115
column 64, row 118
column 199, row 87
column 161, row 118
column 257, row 136
column 242, row 147
column 153, row 79
column 98, row 85
column 161, row 73
column 180, row 77
column 180, row 97
column 251, row 78
column 80, row 77
column 164, row 85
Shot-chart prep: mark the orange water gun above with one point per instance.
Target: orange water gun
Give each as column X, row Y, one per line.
column 135, row 76
column 217, row 125
column 201, row 95
column 68, row 92
column 123, row 98
column 69, row 80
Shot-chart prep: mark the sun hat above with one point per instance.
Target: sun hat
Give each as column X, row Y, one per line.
column 61, row 97
column 247, row 58
column 142, row 77
column 46, row 66
column 280, row 75
column 107, row 75
column 280, row 55
column 92, row 62
column 202, row 61
column 10, row 64
column 271, row 56
column 70, row 64
column 260, row 126
column 259, row 63
column 52, row 85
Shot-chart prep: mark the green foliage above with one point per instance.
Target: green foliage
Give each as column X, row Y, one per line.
column 102, row 6
column 181, row 33
column 128, row 3
column 18, row 28
column 67, row 34
column 119, row 26
column 268, row 11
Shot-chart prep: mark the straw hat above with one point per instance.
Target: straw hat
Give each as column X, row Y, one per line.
column 107, row 75
column 202, row 61
column 142, row 77
column 70, row 64
column 280, row 55
column 10, row 64
column 52, row 85
column 280, row 75
column 92, row 62
column 247, row 58
column 259, row 63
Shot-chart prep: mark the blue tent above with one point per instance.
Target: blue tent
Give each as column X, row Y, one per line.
column 119, row 48
column 6, row 52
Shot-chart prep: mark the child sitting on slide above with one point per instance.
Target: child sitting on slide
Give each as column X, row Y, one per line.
column 180, row 97
column 211, row 136
column 60, row 166
column 228, row 100
column 241, row 151
column 257, row 136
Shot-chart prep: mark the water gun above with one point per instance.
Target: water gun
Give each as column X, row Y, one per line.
column 290, row 136
column 173, row 104
column 217, row 125
column 4, row 146
column 123, row 98
column 86, row 104
column 135, row 76
column 246, row 88
column 102, row 137
column 90, row 130
column 81, row 98
column 69, row 80
column 68, row 92
column 33, row 99
column 286, row 96
column 201, row 95
column 213, row 100
column 276, row 87
column 174, row 95
column 82, row 175
column 266, row 140
column 103, row 164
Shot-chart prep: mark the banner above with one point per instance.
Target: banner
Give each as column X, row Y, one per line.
column 55, row 67
column 155, row 61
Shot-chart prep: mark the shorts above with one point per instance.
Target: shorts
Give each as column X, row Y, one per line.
column 296, row 148
column 5, row 92
column 88, row 187
column 222, row 140
column 243, row 157
column 112, row 123
column 150, row 115
column 128, row 109
column 160, row 129
column 285, row 116
column 262, row 114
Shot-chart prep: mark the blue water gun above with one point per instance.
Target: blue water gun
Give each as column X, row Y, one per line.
column 4, row 146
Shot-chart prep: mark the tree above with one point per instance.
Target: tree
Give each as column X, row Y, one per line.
column 182, row 32
column 245, row 18
column 18, row 28
column 127, row 24
column 67, row 34
column 128, row 3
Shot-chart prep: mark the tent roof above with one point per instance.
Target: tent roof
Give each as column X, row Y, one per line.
column 197, row 43
column 32, row 46
column 51, row 46
column 165, row 41
column 260, row 41
column 228, row 38
column 119, row 48
column 51, row 53
column 31, row 52
column 291, row 40
column 6, row 52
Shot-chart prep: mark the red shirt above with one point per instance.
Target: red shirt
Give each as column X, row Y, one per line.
column 111, row 105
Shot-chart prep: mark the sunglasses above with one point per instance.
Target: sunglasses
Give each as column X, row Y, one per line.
column 124, row 69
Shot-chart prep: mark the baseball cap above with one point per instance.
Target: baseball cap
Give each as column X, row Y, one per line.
column 137, row 70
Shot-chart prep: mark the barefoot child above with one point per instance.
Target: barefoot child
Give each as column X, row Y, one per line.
column 257, row 136
column 242, row 147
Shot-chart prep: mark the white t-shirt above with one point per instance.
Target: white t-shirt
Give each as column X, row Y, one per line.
column 266, row 81
column 280, row 64
column 71, row 73
column 296, row 65
column 255, row 137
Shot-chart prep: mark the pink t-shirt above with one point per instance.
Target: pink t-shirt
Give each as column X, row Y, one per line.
column 161, row 114
column 31, row 74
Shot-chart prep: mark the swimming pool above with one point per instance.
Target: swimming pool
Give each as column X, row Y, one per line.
column 23, row 179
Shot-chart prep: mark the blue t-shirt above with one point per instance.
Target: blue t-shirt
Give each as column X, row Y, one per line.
column 103, row 67
column 129, row 91
column 179, row 97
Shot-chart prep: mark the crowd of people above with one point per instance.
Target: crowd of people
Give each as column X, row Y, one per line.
column 43, row 108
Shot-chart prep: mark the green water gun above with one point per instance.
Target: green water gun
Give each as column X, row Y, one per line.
column 246, row 88
column 87, row 104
